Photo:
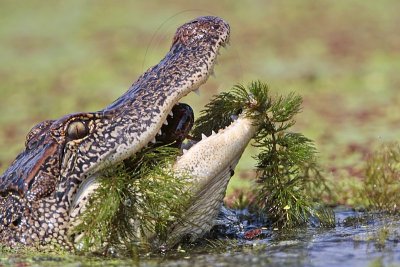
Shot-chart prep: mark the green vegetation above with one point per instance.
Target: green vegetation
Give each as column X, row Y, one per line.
column 381, row 186
column 135, row 202
column 290, row 184
column 378, row 183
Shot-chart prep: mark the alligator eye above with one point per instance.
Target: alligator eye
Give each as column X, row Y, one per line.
column 77, row 130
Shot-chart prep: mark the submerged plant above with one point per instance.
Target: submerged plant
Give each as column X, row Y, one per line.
column 290, row 183
column 382, row 181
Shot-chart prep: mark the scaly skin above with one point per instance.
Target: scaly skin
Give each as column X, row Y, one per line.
column 37, row 189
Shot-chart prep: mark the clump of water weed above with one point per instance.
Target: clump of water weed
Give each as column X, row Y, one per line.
column 357, row 220
column 290, row 183
column 135, row 202
column 382, row 181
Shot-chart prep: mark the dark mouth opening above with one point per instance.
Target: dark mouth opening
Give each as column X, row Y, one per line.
column 176, row 131
column 178, row 126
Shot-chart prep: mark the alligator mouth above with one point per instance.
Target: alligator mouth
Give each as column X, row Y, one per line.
column 186, row 67
column 164, row 136
column 207, row 164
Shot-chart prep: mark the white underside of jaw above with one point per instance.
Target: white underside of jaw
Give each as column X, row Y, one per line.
column 208, row 165
column 213, row 154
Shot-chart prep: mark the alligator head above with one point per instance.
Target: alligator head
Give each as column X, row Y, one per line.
column 37, row 189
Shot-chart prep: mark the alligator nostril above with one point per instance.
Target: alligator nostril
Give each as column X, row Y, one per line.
column 17, row 222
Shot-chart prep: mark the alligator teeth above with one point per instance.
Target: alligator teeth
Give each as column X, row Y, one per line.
column 171, row 114
column 153, row 140
column 197, row 91
column 212, row 132
column 159, row 132
column 203, row 136
column 165, row 123
column 234, row 117
column 184, row 151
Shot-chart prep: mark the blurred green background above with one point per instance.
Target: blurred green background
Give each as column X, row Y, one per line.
column 343, row 57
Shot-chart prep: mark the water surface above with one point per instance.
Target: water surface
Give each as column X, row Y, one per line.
column 359, row 239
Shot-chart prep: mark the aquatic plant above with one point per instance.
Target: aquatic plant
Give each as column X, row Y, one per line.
column 135, row 202
column 290, row 183
column 382, row 181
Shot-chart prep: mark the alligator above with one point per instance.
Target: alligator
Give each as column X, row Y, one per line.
column 38, row 188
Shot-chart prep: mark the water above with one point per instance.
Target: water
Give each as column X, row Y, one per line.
column 359, row 239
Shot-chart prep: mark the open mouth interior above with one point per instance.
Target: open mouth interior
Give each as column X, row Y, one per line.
column 176, row 131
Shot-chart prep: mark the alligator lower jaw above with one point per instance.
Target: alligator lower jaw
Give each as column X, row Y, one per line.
column 209, row 164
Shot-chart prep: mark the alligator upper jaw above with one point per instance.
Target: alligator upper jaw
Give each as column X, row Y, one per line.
column 144, row 108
